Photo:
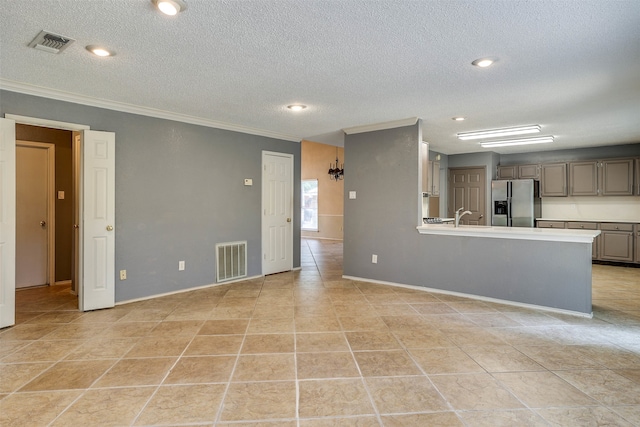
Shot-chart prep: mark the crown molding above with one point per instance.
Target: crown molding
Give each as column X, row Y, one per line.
column 381, row 126
column 27, row 89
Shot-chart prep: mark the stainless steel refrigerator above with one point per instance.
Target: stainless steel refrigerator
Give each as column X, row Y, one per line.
column 515, row 203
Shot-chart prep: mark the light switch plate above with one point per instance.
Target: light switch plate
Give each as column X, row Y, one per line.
column 352, row 194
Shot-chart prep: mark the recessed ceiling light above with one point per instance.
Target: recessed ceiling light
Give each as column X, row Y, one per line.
column 296, row 107
column 521, row 141
column 482, row 62
column 170, row 7
column 100, row 51
column 495, row 133
column 458, row 119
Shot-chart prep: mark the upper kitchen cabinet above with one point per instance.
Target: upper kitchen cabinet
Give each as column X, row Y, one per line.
column 528, row 171
column 613, row 177
column 518, row 172
column 583, row 178
column 617, row 177
column 424, row 158
column 507, row 172
column 434, row 178
column 553, row 180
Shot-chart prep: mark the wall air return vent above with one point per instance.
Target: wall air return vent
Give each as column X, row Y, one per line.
column 231, row 260
column 50, row 42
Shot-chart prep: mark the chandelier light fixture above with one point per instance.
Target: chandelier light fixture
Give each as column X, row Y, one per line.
column 336, row 172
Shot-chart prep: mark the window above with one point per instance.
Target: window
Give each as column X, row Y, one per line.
column 310, row 204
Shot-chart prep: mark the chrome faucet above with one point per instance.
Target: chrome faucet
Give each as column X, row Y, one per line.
column 459, row 216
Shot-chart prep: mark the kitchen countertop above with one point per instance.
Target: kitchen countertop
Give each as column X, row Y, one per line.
column 519, row 233
column 623, row 221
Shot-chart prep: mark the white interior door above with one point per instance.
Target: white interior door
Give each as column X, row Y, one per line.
column 97, row 231
column 277, row 212
column 34, row 172
column 7, row 222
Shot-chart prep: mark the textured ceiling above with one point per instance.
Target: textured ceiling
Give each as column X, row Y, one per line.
column 571, row 66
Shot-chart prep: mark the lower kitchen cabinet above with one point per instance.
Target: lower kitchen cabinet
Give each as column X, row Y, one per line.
column 637, row 243
column 619, row 242
column 550, row 224
column 587, row 226
column 616, row 242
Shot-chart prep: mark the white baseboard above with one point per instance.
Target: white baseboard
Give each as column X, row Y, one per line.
column 180, row 291
column 63, row 282
column 476, row 297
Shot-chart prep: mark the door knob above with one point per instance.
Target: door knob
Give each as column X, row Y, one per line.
column 481, row 216
column 43, row 223
column 109, row 227
column 288, row 219
column 76, row 226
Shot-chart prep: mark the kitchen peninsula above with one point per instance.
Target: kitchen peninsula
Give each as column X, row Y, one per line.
column 529, row 266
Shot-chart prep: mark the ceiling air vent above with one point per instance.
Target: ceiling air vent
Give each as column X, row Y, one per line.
column 50, row 42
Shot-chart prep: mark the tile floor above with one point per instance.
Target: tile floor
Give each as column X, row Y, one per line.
column 309, row 348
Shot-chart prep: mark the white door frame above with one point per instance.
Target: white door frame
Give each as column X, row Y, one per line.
column 291, row 210
column 7, row 223
column 65, row 126
column 51, row 216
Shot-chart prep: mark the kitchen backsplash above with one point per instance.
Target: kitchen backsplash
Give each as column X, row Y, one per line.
column 592, row 208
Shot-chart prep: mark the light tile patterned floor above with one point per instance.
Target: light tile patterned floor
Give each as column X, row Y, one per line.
column 311, row 349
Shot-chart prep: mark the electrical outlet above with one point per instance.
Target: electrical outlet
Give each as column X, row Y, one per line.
column 123, row 274
column 374, row 259
column 180, row 265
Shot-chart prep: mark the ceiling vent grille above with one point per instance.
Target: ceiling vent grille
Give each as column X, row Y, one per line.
column 50, row 42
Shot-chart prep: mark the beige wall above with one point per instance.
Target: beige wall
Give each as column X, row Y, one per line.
column 315, row 165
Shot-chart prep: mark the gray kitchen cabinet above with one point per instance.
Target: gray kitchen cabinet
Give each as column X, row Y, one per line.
column 576, row 225
column 583, row 178
column 507, row 172
column 434, row 174
column 553, row 180
column 528, row 171
column 550, row 224
column 616, row 177
column 424, row 153
column 637, row 240
column 637, row 177
column 616, row 242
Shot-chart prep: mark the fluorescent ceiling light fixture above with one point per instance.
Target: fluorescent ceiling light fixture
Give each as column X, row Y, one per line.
column 100, row 51
column 170, row 7
column 296, row 107
column 496, row 133
column 521, row 141
column 482, row 62
column 458, row 118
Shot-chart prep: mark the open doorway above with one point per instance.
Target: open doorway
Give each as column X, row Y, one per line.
column 45, row 210
column 93, row 167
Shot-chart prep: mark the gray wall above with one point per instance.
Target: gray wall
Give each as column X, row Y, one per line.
column 383, row 170
column 179, row 191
